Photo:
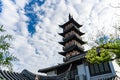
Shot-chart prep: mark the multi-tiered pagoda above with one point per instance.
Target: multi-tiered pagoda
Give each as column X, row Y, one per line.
column 72, row 40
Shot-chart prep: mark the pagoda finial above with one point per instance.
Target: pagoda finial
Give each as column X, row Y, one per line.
column 70, row 16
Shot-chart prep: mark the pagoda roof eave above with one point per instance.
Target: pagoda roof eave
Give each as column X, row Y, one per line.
column 74, row 37
column 71, row 21
column 61, row 34
column 62, row 43
column 71, row 29
column 72, row 48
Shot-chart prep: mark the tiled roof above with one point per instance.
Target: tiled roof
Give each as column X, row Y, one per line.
column 12, row 76
column 26, row 75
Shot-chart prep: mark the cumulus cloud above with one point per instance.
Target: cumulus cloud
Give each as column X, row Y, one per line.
column 41, row 49
column 14, row 20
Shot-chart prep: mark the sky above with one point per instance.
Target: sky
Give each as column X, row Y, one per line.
column 34, row 26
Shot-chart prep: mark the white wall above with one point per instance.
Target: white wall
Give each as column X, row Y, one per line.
column 117, row 68
column 112, row 68
column 51, row 73
column 82, row 70
column 87, row 72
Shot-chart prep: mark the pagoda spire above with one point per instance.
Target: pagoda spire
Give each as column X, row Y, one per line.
column 70, row 17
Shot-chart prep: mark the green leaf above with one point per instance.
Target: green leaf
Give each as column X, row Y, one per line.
column 108, row 52
column 6, row 57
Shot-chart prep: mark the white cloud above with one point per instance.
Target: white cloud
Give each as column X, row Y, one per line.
column 9, row 14
column 92, row 14
column 14, row 20
column 21, row 4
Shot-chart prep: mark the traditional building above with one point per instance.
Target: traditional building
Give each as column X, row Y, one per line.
column 75, row 66
column 74, row 55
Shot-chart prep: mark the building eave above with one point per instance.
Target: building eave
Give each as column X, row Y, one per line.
column 74, row 37
column 72, row 48
column 71, row 21
column 71, row 29
column 45, row 70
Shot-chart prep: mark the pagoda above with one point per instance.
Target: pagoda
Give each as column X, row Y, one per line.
column 74, row 54
column 72, row 40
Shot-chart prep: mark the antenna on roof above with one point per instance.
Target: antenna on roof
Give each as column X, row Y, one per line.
column 70, row 16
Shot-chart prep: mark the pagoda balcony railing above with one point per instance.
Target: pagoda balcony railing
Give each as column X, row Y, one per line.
column 73, row 44
column 71, row 36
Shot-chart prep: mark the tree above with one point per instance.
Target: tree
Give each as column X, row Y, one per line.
column 5, row 57
column 108, row 49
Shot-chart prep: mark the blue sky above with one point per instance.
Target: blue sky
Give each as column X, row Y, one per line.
column 29, row 12
column 0, row 6
column 34, row 25
column 32, row 16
